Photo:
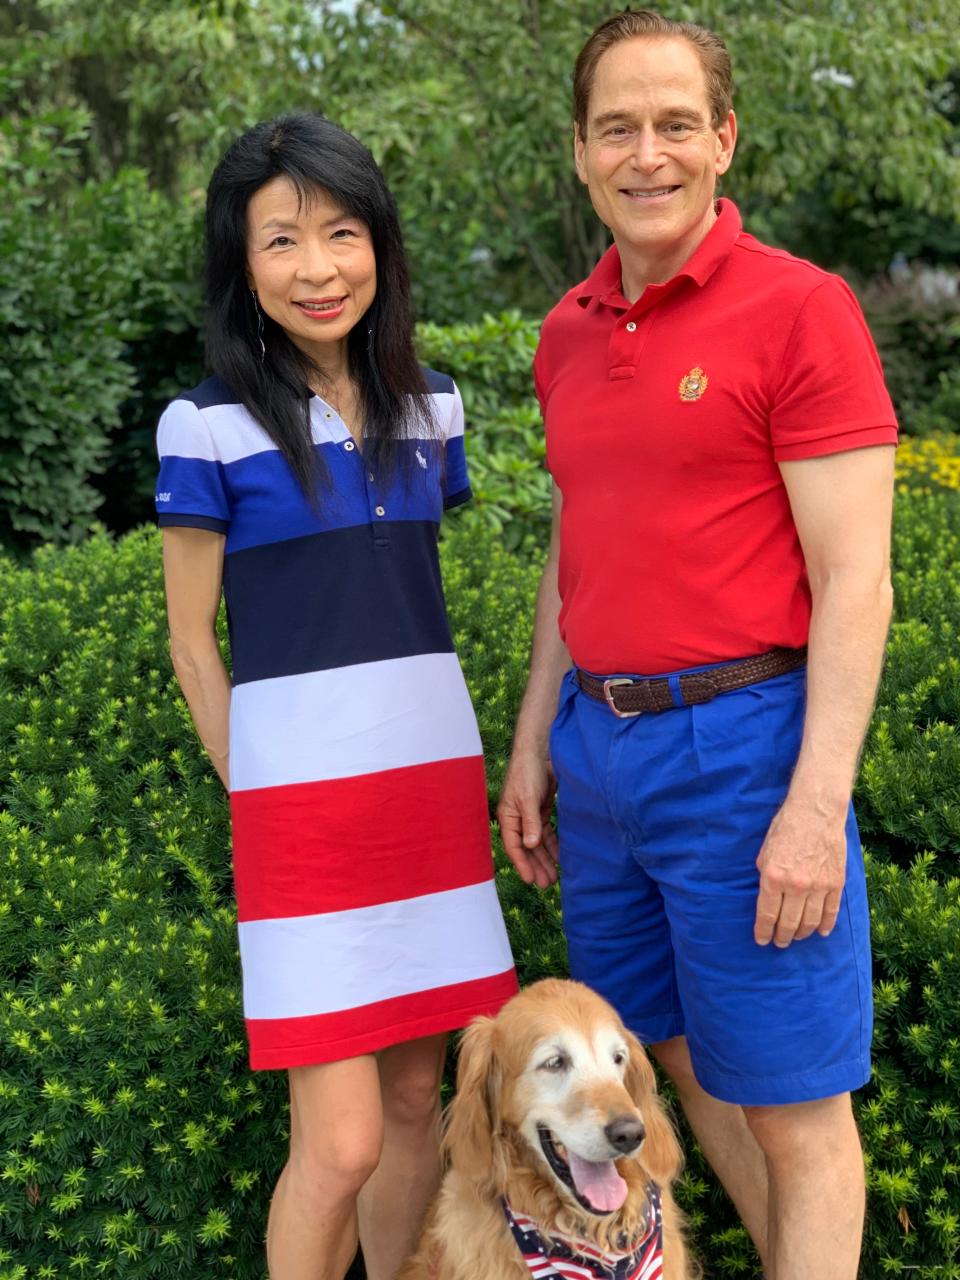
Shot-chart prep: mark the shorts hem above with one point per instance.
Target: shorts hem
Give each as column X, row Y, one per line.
column 653, row 1030
column 319, row 1052
column 771, row 1091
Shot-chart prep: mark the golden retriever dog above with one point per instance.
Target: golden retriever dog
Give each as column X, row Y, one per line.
column 559, row 1157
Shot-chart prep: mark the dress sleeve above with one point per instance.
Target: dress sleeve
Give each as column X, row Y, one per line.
column 829, row 395
column 191, row 488
column 456, row 488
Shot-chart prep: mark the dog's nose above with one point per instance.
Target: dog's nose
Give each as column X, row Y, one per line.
column 625, row 1133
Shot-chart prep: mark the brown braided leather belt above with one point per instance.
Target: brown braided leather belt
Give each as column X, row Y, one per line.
column 627, row 697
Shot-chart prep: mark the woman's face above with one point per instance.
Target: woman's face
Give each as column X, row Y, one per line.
column 312, row 267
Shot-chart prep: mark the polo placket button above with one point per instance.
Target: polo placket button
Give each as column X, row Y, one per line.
column 381, row 511
column 631, row 326
column 349, row 446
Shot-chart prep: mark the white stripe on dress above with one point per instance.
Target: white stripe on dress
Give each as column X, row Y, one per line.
column 227, row 433
column 340, row 960
column 373, row 716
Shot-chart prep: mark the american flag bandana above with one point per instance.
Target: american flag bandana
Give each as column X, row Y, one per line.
column 563, row 1258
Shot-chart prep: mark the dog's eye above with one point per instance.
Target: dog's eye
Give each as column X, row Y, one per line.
column 620, row 1057
column 559, row 1062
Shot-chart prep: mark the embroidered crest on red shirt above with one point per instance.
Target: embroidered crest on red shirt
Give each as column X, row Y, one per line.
column 694, row 384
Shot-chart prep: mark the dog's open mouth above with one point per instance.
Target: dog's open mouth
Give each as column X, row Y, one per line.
column 596, row 1185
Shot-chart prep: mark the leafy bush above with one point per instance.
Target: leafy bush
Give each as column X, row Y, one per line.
column 98, row 291
column 492, row 363
column 909, row 791
column 917, row 332
column 136, row 1143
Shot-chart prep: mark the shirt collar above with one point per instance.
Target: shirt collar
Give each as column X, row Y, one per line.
column 603, row 285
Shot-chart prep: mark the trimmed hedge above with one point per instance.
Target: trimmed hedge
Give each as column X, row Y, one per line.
column 133, row 1140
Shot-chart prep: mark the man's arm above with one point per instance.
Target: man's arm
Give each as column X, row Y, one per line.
column 842, row 506
column 529, row 786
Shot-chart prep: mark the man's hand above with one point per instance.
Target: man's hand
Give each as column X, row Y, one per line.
column 526, row 800
column 802, row 871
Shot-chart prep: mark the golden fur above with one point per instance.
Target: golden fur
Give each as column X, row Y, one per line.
column 503, row 1091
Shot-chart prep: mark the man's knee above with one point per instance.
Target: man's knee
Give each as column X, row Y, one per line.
column 804, row 1130
column 674, row 1056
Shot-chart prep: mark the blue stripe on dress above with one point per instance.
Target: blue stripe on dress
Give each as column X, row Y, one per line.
column 263, row 502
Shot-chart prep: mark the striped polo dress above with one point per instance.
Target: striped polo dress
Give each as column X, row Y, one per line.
column 361, row 841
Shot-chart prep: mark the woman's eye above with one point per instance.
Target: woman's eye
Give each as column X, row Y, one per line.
column 281, row 241
column 341, row 233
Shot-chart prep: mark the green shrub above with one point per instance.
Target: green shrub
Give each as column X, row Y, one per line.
column 92, row 289
column 492, row 363
column 918, row 339
column 134, row 1141
column 908, row 796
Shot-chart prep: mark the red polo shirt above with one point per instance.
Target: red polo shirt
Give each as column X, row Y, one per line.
column 665, row 422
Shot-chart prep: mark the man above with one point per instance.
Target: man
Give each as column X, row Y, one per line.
column 721, row 443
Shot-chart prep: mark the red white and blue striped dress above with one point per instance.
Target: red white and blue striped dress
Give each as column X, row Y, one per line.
column 361, row 841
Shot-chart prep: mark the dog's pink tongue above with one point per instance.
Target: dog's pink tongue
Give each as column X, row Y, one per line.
column 599, row 1184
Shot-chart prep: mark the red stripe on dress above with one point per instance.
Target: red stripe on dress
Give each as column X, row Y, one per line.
column 313, row 847
column 329, row 1037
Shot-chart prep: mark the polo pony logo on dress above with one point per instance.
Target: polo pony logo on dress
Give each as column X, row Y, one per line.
column 693, row 385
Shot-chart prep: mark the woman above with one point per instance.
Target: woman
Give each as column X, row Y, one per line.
column 307, row 477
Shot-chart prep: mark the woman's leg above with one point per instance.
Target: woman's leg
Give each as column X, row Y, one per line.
column 336, row 1132
column 393, row 1202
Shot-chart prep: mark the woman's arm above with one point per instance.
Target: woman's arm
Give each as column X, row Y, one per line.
column 193, row 574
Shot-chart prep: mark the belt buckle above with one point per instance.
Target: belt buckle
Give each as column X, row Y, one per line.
column 608, row 685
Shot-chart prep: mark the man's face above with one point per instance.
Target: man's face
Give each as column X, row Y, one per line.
column 651, row 157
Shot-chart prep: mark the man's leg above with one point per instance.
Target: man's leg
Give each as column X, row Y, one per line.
column 815, row 1169
column 725, row 1139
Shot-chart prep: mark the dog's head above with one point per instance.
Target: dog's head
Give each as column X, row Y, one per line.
column 557, row 1084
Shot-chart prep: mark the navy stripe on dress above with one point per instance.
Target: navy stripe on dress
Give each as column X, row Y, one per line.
column 289, row 612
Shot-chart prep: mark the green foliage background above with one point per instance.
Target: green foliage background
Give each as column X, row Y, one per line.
column 133, row 1141
column 849, row 153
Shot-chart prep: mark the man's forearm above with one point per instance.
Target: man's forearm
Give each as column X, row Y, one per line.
column 549, row 660
column 848, row 629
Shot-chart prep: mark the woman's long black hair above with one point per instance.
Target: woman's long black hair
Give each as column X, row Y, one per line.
column 316, row 155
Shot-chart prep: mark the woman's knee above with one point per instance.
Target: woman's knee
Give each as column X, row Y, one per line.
column 336, row 1127
column 335, row 1164
column 410, row 1083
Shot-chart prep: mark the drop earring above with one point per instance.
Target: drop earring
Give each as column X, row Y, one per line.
column 263, row 349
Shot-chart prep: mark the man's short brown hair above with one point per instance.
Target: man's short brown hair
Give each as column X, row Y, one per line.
column 710, row 49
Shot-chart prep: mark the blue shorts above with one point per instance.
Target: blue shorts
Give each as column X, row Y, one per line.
column 661, row 819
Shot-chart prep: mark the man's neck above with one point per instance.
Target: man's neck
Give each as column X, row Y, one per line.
column 639, row 268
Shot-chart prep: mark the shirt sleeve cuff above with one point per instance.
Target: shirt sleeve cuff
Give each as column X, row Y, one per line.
column 837, row 442
column 457, row 499
column 174, row 519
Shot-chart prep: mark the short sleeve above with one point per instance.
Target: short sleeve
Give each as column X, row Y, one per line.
column 829, row 394
column 191, row 488
column 456, row 489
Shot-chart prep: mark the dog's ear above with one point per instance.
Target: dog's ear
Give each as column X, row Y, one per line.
column 470, row 1137
column 660, row 1154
